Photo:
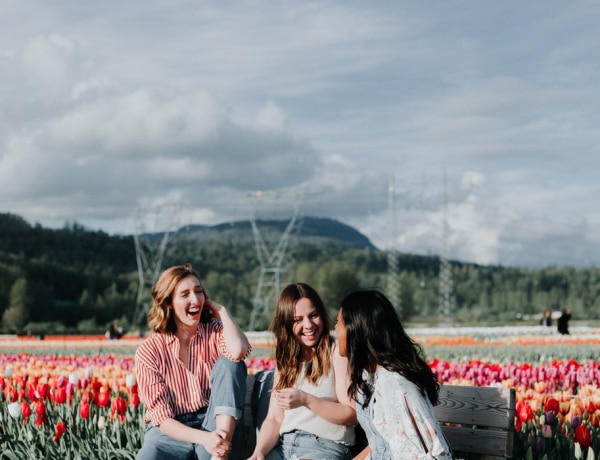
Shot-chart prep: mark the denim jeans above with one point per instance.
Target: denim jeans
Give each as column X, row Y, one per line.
column 228, row 393
column 302, row 445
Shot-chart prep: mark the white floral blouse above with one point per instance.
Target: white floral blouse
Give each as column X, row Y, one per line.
column 399, row 421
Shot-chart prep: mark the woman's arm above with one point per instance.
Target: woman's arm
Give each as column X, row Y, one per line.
column 340, row 413
column 363, row 454
column 235, row 340
column 268, row 435
column 214, row 442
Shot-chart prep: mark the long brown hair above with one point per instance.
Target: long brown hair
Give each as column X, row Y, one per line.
column 288, row 351
column 160, row 316
column 375, row 336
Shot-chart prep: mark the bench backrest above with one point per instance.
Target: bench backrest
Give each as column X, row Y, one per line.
column 478, row 422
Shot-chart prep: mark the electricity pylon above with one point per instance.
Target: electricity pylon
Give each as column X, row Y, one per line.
column 274, row 265
column 151, row 245
column 393, row 283
column 445, row 281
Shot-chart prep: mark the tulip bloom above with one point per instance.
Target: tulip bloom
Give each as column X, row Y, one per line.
column 552, row 405
column 40, row 407
column 84, row 410
column 14, row 409
column 60, row 395
column 119, row 407
column 25, row 409
column 59, row 430
column 102, row 398
column 583, row 436
column 524, row 412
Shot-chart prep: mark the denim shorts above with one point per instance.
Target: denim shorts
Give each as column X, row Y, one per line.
column 302, row 445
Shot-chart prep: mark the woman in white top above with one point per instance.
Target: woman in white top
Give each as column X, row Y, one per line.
column 310, row 413
column 394, row 388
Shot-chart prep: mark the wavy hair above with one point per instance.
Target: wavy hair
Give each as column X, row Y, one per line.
column 288, row 350
column 375, row 336
column 160, row 317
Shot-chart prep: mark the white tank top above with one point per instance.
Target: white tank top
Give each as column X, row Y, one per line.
column 304, row 419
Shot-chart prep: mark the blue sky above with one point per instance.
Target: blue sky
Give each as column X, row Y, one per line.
column 108, row 108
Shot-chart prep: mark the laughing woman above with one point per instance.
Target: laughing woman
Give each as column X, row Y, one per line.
column 190, row 372
column 310, row 415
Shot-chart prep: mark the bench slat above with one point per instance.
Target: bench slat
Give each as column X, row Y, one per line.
column 487, row 406
column 474, row 441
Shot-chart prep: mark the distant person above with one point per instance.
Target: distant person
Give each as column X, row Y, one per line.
column 393, row 386
column 546, row 319
column 191, row 373
column 114, row 332
column 563, row 322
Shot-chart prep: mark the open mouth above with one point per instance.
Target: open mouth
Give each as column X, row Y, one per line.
column 193, row 312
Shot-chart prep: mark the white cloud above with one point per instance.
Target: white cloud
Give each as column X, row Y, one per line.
column 111, row 106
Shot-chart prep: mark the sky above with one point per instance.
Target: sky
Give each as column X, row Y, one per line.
column 468, row 129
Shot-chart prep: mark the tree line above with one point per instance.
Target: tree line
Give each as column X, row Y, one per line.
column 77, row 281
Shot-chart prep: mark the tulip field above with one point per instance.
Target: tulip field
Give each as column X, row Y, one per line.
column 76, row 397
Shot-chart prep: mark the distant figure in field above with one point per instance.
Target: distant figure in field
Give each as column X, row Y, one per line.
column 563, row 322
column 546, row 319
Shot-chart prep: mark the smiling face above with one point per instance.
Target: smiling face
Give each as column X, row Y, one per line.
column 187, row 303
column 308, row 324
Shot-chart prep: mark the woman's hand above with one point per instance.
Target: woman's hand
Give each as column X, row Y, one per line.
column 216, row 444
column 214, row 306
column 257, row 456
column 290, row 398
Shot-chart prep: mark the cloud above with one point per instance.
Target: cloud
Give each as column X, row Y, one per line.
column 114, row 106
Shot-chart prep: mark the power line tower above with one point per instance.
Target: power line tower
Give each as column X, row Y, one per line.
column 393, row 283
column 155, row 229
column 275, row 264
column 445, row 281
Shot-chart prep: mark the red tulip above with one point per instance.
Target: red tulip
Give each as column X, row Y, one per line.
column 40, row 407
column 59, row 430
column 135, row 400
column 119, row 407
column 60, row 395
column 84, row 410
column 595, row 419
column 524, row 412
column 102, row 398
column 42, row 390
column 25, row 409
column 41, row 420
column 551, row 405
column 583, row 436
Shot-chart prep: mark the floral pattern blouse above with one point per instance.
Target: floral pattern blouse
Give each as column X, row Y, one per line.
column 399, row 421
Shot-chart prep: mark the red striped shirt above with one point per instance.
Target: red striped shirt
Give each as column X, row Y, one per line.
column 167, row 388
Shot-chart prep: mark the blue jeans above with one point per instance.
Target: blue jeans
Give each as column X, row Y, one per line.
column 228, row 393
column 302, row 445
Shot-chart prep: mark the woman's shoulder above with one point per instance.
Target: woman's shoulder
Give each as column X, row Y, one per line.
column 153, row 344
column 388, row 381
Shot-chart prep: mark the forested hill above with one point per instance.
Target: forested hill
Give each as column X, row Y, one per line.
column 78, row 280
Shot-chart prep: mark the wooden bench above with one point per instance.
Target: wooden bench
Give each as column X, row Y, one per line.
column 478, row 422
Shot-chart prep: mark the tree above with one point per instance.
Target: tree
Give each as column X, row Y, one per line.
column 17, row 313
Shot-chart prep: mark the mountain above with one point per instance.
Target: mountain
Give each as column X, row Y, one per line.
column 309, row 229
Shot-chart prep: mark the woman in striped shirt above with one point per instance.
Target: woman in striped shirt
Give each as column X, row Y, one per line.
column 190, row 373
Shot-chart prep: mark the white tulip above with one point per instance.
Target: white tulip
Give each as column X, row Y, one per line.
column 14, row 409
